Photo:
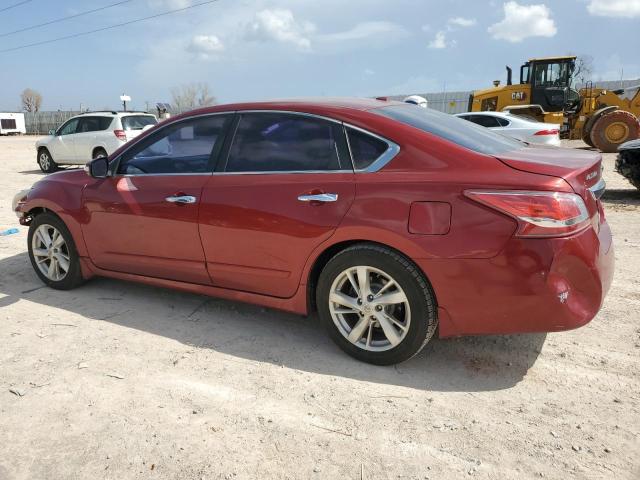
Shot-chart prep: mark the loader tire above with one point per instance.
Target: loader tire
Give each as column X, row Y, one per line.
column 613, row 129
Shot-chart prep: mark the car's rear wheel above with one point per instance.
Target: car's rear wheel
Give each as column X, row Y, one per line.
column 53, row 253
column 376, row 304
column 46, row 162
column 99, row 153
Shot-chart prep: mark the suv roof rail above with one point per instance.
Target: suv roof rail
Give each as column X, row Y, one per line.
column 89, row 112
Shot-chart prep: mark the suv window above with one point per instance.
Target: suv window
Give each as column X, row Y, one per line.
column 281, row 142
column 365, row 149
column 448, row 127
column 93, row 124
column 184, row 147
column 137, row 122
column 69, row 127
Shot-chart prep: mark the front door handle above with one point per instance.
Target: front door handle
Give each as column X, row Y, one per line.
column 181, row 199
column 319, row 197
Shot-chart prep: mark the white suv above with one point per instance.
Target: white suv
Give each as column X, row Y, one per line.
column 88, row 136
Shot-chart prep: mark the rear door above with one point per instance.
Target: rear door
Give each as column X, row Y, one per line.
column 86, row 137
column 144, row 219
column 286, row 184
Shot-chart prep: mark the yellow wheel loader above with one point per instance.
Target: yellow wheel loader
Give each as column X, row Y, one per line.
column 601, row 118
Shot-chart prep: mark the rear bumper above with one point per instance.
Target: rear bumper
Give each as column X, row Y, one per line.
column 533, row 285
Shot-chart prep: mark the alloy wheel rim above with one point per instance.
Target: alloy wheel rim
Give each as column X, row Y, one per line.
column 50, row 252
column 369, row 308
column 44, row 160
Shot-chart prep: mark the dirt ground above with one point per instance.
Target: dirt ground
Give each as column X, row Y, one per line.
column 121, row 381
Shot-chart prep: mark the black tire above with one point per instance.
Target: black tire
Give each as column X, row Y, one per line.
column 99, row 152
column 73, row 277
column 46, row 162
column 421, row 299
column 628, row 165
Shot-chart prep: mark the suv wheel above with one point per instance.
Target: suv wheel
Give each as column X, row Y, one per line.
column 376, row 304
column 53, row 253
column 45, row 161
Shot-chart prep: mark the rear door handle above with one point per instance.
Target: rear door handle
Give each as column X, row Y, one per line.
column 319, row 197
column 181, row 199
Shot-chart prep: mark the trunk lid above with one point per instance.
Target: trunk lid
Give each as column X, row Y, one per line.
column 580, row 169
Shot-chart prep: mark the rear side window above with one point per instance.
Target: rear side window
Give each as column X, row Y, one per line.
column 453, row 129
column 503, row 122
column 365, row 149
column 184, row 147
column 94, row 124
column 485, row 120
column 137, row 122
column 281, row 142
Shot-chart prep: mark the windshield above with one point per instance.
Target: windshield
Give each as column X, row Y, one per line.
column 454, row 129
column 137, row 122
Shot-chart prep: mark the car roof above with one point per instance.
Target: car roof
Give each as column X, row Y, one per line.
column 488, row 114
column 318, row 105
column 112, row 113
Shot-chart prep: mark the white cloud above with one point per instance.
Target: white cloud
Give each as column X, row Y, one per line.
column 523, row 21
column 281, row 26
column 439, row 41
column 367, row 29
column 614, row 8
column 368, row 71
column 205, row 45
column 462, row 22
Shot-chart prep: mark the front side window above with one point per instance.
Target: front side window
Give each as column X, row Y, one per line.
column 283, row 142
column 69, row 127
column 184, row 147
column 365, row 149
column 450, row 128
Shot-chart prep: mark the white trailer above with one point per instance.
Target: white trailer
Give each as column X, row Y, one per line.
column 12, row 123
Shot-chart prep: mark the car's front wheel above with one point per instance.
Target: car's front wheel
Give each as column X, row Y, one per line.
column 376, row 304
column 45, row 161
column 53, row 253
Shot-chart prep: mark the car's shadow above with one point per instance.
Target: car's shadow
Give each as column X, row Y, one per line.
column 263, row 335
column 622, row 196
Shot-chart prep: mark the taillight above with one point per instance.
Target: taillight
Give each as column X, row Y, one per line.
column 539, row 214
column 120, row 134
column 548, row 132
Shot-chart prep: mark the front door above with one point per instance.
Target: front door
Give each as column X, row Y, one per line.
column 62, row 146
column 144, row 219
column 287, row 184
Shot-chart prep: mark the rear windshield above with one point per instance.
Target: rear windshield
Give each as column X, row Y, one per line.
column 137, row 122
column 456, row 130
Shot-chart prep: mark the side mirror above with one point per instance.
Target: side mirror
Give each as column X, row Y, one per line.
column 52, row 132
column 98, row 168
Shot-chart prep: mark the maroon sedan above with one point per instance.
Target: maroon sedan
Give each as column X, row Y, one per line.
column 393, row 221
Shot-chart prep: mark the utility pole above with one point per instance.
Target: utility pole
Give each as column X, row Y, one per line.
column 125, row 98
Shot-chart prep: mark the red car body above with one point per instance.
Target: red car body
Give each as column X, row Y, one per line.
column 247, row 238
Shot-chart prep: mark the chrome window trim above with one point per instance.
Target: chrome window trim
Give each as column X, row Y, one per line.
column 392, row 150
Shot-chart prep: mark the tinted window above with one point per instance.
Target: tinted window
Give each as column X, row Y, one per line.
column 453, row 129
column 94, row 124
column 181, row 148
column 276, row 142
column 8, row 123
column 365, row 149
column 484, row 120
column 503, row 122
column 69, row 127
column 137, row 122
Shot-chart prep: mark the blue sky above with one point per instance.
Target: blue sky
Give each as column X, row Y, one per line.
column 260, row 49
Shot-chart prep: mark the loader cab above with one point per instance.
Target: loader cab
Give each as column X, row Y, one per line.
column 550, row 81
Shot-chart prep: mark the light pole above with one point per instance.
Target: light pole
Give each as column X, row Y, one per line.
column 125, row 98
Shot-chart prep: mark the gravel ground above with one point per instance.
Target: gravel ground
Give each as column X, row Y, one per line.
column 123, row 381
